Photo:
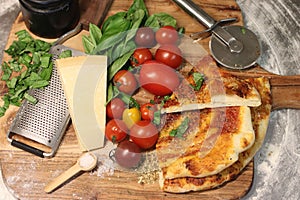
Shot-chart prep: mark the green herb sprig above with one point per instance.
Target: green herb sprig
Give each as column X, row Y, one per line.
column 182, row 128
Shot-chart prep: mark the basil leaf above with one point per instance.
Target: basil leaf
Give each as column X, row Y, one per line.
column 198, row 79
column 158, row 20
column 65, row 54
column 95, row 33
column 138, row 5
column 182, row 128
column 117, row 25
column 6, row 71
column 118, row 64
column 157, row 117
column 110, row 93
column 137, row 20
column 30, row 98
column 46, row 73
column 107, row 23
column 109, row 42
column 88, row 44
column 12, row 83
column 31, row 59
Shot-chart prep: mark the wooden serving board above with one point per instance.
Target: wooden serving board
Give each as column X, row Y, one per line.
column 26, row 175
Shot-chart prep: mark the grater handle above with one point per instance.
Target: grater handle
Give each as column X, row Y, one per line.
column 28, row 148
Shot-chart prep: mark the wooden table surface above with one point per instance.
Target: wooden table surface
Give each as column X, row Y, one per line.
column 26, row 175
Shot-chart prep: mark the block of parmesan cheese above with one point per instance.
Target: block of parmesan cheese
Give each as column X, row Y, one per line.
column 84, row 83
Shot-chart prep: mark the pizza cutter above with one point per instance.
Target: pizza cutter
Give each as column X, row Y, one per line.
column 234, row 47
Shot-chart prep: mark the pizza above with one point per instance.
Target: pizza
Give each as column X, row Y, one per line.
column 260, row 118
column 212, row 142
column 218, row 89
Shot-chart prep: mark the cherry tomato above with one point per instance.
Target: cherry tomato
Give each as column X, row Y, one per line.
column 125, row 81
column 158, row 78
column 131, row 116
column 166, row 35
column 147, row 111
column 170, row 55
column 116, row 130
column 140, row 56
column 115, row 108
column 145, row 37
column 128, row 154
column 144, row 134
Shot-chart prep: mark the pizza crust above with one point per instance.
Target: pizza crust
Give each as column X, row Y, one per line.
column 260, row 119
column 213, row 141
column 219, row 89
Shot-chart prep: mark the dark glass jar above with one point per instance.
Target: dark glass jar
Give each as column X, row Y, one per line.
column 50, row 18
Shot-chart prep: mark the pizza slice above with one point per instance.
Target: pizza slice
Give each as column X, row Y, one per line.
column 203, row 142
column 216, row 89
column 260, row 118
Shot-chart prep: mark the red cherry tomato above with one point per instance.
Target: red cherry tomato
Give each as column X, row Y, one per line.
column 144, row 134
column 166, row 35
column 158, row 78
column 147, row 111
column 115, row 108
column 145, row 37
column 116, row 130
column 170, row 55
column 128, row 154
column 140, row 56
column 125, row 81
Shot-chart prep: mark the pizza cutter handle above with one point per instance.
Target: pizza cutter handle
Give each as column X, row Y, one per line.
column 192, row 9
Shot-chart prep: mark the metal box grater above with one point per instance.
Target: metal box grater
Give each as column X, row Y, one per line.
column 39, row 128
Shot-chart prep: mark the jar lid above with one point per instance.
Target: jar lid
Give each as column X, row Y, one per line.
column 40, row 4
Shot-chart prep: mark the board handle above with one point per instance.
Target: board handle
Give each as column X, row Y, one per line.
column 93, row 11
column 285, row 91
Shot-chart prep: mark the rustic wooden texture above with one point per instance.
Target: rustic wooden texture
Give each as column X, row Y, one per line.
column 26, row 175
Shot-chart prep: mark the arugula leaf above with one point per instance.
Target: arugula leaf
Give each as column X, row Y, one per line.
column 181, row 129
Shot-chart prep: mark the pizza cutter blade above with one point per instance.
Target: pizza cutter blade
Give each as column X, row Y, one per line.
column 234, row 47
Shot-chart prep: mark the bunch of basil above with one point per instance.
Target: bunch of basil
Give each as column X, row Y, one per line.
column 115, row 39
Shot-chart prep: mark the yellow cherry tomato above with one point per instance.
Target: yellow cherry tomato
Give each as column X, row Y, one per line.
column 131, row 116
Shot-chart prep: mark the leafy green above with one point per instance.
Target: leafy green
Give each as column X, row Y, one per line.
column 117, row 65
column 181, row 129
column 65, row 54
column 32, row 67
column 138, row 5
column 198, row 79
column 115, row 39
column 96, row 34
column 158, row 20
column 157, row 117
